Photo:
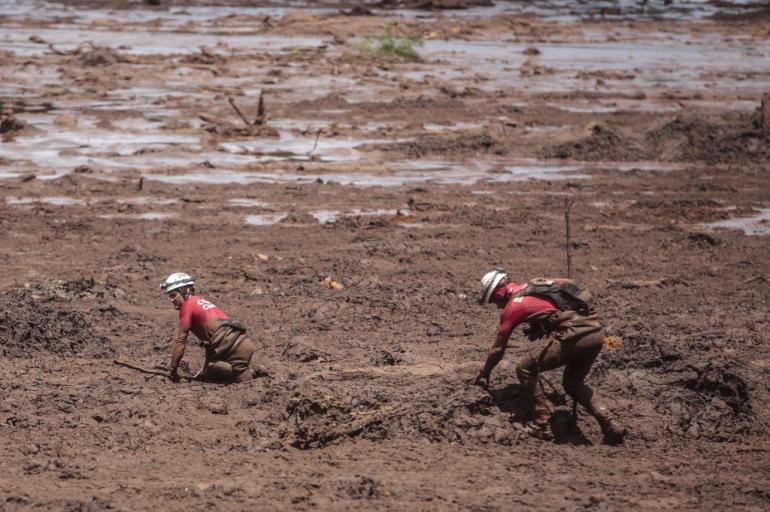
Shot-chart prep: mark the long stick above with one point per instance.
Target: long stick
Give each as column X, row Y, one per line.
column 260, row 119
column 148, row 371
column 568, row 202
column 238, row 111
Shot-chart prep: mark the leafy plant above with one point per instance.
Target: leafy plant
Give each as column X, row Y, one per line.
column 391, row 44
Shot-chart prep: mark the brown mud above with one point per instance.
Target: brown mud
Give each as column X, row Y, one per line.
column 349, row 232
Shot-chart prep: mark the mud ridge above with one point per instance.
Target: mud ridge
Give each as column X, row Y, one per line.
column 441, row 145
column 29, row 325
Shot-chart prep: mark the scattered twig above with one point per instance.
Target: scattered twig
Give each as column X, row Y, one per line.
column 568, row 202
column 260, row 119
column 148, row 371
column 208, row 119
column 238, row 111
column 315, row 144
column 764, row 112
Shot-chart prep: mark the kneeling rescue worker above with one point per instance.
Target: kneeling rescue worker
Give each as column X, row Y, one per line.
column 228, row 348
column 566, row 331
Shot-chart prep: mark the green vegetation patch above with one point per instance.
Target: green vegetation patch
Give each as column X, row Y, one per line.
column 392, row 44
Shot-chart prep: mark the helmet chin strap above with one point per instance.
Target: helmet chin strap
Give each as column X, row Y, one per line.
column 497, row 295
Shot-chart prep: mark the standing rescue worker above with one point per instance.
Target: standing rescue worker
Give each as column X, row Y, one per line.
column 566, row 331
column 228, row 348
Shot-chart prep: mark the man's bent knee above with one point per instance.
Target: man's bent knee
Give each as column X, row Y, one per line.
column 526, row 370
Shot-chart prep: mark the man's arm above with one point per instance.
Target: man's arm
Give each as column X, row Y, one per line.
column 496, row 353
column 508, row 321
column 177, row 351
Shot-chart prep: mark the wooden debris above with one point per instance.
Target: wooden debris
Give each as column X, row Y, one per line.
column 764, row 112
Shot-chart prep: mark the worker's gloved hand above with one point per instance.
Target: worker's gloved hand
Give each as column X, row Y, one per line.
column 481, row 379
column 173, row 375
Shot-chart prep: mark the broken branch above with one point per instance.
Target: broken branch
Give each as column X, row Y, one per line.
column 238, row 111
column 568, row 202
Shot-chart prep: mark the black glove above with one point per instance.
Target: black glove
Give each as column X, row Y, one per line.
column 173, row 375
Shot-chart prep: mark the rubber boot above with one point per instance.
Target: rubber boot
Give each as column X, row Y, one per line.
column 219, row 371
column 612, row 430
column 540, row 426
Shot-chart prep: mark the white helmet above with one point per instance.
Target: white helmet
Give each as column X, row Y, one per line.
column 489, row 284
column 175, row 281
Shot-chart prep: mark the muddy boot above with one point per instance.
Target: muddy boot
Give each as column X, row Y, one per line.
column 540, row 426
column 219, row 371
column 612, row 431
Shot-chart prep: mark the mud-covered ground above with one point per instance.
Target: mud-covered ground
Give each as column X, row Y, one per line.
column 349, row 231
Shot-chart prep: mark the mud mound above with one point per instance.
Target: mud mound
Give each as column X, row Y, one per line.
column 719, row 406
column 330, row 101
column 604, row 144
column 90, row 55
column 708, row 400
column 9, row 122
column 83, row 288
column 447, row 411
column 694, row 210
column 732, row 137
column 299, row 217
column 315, row 419
column 444, row 144
column 28, row 326
column 301, row 351
column 459, row 414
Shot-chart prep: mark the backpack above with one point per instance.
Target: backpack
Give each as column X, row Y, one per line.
column 567, row 296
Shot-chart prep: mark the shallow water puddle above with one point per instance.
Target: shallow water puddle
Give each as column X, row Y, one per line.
column 756, row 225
column 52, row 200
column 328, row 216
column 142, row 42
column 241, row 18
column 247, row 203
column 568, row 11
column 404, row 173
column 173, row 17
column 292, row 147
column 685, row 63
column 431, row 127
column 72, row 201
column 265, row 219
column 140, row 216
